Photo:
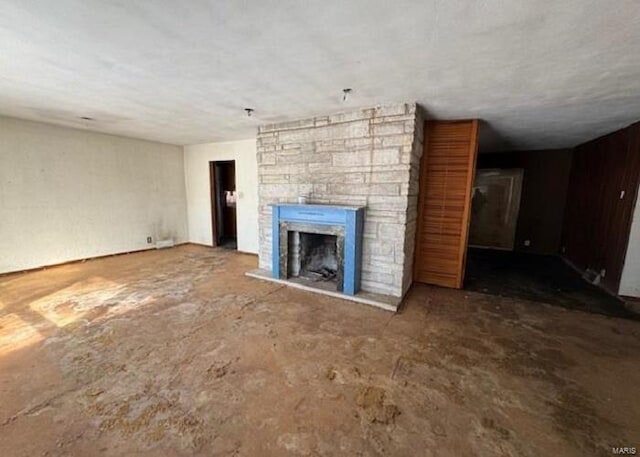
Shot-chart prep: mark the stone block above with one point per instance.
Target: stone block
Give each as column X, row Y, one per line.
column 391, row 231
column 386, row 156
column 267, row 158
column 369, row 142
column 351, row 116
column 397, row 109
column 378, row 248
column 370, row 229
column 395, row 176
column 288, row 146
column 294, row 125
column 279, row 169
column 365, row 189
column 397, row 140
column 266, row 140
column 268, row 148
column 395, row 128
column 351, row 158
column 274, row 179
column 398, row 203
column 380, row 277
column 383, row 216
column 305, row 157
column 342, row 178
column 321, row 121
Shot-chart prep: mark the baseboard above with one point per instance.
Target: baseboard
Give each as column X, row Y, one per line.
column 247, row 253
column 631, row 303
column 69, row 262
column 115, row 254
column 193, row 243
column 581, row 272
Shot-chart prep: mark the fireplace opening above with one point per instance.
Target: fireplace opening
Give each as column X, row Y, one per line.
column 313, row 256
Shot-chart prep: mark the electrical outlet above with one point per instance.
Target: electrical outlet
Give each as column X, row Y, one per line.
column 149, row 240
column 527, row 242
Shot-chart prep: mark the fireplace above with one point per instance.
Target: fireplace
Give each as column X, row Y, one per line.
column 318, row 243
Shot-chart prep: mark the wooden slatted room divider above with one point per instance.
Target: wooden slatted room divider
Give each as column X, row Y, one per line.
column 444, row 203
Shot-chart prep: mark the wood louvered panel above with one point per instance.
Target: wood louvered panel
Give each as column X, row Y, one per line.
column 446, row 178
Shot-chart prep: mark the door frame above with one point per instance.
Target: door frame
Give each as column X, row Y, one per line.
column 213, row 166
column 213, row 202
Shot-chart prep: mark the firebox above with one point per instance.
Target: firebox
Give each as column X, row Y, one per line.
column 314, row 256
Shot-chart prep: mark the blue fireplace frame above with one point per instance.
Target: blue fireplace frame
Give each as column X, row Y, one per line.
column 345, row 221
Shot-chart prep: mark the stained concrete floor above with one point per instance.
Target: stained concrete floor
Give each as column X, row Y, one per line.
column 176, row 352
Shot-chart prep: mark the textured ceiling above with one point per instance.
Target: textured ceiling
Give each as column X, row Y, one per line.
column 541, row 74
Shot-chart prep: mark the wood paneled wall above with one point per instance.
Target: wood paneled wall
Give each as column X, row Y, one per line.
column 544, row 193
column 597, row 219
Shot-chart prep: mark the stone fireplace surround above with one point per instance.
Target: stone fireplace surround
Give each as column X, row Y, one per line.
column 366, row 157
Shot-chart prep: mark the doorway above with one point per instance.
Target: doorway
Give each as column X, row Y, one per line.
column 222, row 176
column 517, row 212
column 495, row 204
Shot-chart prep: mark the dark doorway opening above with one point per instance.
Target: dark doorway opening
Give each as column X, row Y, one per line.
column 515, row 237
column 222, row 175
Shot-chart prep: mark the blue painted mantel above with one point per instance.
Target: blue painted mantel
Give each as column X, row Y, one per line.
column 345, row 222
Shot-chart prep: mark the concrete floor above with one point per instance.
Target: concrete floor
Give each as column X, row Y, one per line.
column 175, row 352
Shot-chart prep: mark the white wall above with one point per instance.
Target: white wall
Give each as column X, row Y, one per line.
column 196, row 168
column 68, row 194
column 630, row 281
